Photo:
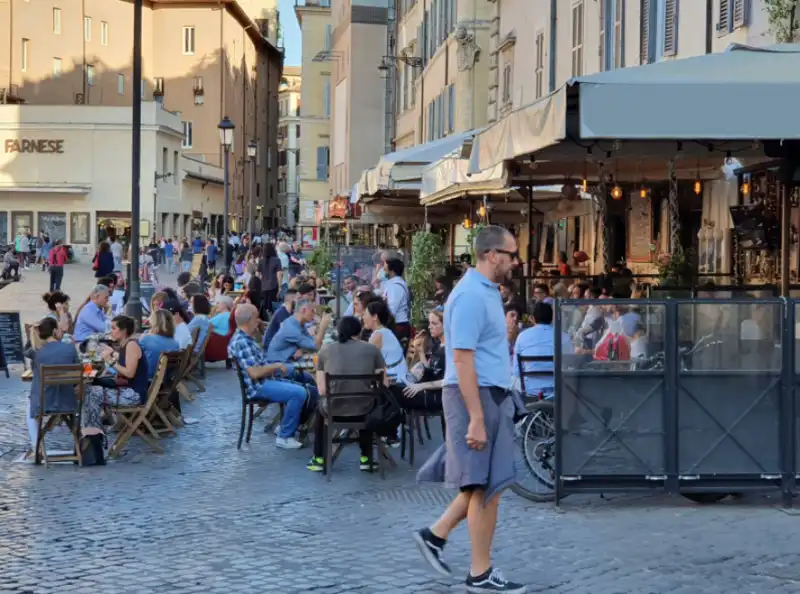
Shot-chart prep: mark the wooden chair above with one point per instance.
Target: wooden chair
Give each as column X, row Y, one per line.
column 183, row 385
column 196, row 367
column 52, row 376
column 413, row 421
column 133, row 418
column 249, row 412
column 163, row 416
column 335, row 423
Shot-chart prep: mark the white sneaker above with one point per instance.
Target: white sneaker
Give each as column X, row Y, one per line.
column 277, row 429
column 190, row 421
column 288, row 443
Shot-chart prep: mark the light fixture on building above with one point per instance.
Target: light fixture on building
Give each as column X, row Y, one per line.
column 482, row 211
column 616, row 192
column 698, row 187
column 585, row 183
column 467, row 223
column 644, row 192
column 746, row 188
column 226, row 128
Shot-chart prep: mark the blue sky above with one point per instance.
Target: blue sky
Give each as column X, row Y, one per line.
column 291, row 32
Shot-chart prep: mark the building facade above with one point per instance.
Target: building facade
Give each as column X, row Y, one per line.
column 314, row 17
column 289, row 135
column 65, row 170
column 201, row 60
column 358, row 105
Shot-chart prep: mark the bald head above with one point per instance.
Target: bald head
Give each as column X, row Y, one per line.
column 491, row 237
column 245, row 315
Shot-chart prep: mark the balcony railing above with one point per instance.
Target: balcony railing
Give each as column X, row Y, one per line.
column 313, row 3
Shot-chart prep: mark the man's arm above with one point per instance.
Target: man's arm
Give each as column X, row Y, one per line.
column 319, row 337
column 464, row 362
column 262, row 371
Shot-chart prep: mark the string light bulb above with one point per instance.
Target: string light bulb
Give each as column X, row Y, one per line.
column 584, row 185
column 467, row 223
column 746, row 189
column 643, row 192
column 616, row 192
column 698, row 187
column 482, row 211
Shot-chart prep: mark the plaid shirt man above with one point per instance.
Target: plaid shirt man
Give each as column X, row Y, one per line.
column 247, row 353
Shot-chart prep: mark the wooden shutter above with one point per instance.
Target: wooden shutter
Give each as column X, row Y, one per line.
column 724, row 22
column 603, row 5
column 322, row 162
column 671, row 28
column 739, row 13
column 619, row 34
column 644, row 51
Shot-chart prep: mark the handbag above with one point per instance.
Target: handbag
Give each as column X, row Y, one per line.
column 93, row 450
column 385, row 416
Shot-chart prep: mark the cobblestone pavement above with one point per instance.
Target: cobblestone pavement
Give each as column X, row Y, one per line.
column 205, row 517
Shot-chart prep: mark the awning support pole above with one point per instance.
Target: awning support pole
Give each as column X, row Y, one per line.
column 601, row 197
column 786, row 234
column 675, row 246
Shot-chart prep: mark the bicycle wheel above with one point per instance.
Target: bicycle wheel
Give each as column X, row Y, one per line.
column 535, row 437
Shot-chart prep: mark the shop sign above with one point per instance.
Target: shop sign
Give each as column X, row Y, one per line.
column 337, row 208
column 28, row 145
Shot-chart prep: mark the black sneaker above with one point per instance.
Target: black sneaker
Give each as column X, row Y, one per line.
column 493, row 581
column 432, row 551
column 316, row 464
column 366, row 466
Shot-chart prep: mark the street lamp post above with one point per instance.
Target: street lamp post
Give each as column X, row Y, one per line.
column 134, row 305
column 252, row 151
column 226, row 128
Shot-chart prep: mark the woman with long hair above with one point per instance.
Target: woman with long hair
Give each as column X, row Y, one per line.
column 104, row 261
column 160, row 338
column 426, row 394
column 128, row 363
column 58, row 309
column 377, row 318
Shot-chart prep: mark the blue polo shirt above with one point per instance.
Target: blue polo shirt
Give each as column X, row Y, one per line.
column 474, row 321
column 290, row 337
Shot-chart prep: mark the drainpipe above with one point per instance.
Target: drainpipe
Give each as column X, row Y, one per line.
column 553, row 23
column 10, row 44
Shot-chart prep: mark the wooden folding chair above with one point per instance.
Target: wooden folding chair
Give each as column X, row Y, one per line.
column 335, row 422
column 196, row 373
column 55, row 376
column 163, row 416
column 133, row 418
column 183, row 384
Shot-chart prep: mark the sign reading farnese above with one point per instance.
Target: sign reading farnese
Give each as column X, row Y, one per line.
column 30, row 145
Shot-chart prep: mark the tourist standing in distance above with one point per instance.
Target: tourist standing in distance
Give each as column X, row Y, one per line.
column 478, row 453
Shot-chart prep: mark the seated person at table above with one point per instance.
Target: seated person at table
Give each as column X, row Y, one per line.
column 92, row 318
column 160, row 338
column 537, row 341
column 376, row 317
column 188, row 287
column 220, row 321
column 284, row 311
column 182, row 333
column 58, row 309
column 292, row 339
column 128, row 363
column 52, row 352
column 426, row 393
column 201, row 308
column 348, row 356
column 11, row 265
column 260, row 377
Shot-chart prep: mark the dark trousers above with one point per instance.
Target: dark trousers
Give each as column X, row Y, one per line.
column 402, row 331
column 56, row 276
column 320, row 431
column 425, row 401
column 270, row 297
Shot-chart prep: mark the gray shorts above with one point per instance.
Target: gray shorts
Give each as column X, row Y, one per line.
column 491, row 468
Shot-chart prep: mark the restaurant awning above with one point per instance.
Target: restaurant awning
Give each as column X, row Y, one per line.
column 723, row 101
column 401, row 171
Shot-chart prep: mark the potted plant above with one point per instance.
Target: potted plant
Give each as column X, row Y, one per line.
column 675, row 270
column 320, row 261
column 426, row 250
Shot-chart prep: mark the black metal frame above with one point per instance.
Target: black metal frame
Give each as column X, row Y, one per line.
column 779, row 386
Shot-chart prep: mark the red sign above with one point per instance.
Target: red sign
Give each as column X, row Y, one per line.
column 337, row 208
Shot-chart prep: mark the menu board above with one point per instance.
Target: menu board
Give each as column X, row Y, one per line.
column 640, row 228
column 11, row 335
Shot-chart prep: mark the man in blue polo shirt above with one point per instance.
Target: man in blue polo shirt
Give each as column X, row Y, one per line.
column 293, row 340
column 479, row 449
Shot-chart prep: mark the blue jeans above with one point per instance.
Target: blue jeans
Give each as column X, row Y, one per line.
column 293, row 396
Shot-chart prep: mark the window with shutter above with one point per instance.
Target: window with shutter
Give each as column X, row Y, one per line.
column 740, row 13
column 619, row 34
column 670, row 27
column 577, row 39
column 644, row 50
column 322, row 163
column 451, row 107
column 603, row 5
column 539, row 71
column 724, row 23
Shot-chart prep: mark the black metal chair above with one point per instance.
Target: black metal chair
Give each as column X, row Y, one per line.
column 523, row 373
column 332, row 406
column 413, row 421
column 249, row 413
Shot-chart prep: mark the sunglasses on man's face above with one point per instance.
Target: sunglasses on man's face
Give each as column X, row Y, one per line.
column 513, row 255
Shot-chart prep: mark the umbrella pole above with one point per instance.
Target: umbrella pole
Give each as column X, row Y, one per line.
column 786, row 233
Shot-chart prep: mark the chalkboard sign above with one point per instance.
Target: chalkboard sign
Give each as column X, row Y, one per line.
column 640, row 228
column 11, row 336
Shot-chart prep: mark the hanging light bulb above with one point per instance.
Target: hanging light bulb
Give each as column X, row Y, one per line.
column 616, row 192
column 584, row 185
column 466, row 223
column 698, row 187
column 482, row 211
column 643, row 192
column 746, row 189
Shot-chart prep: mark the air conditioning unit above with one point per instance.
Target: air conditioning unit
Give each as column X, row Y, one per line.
column 80, row 99
column 198, row 85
